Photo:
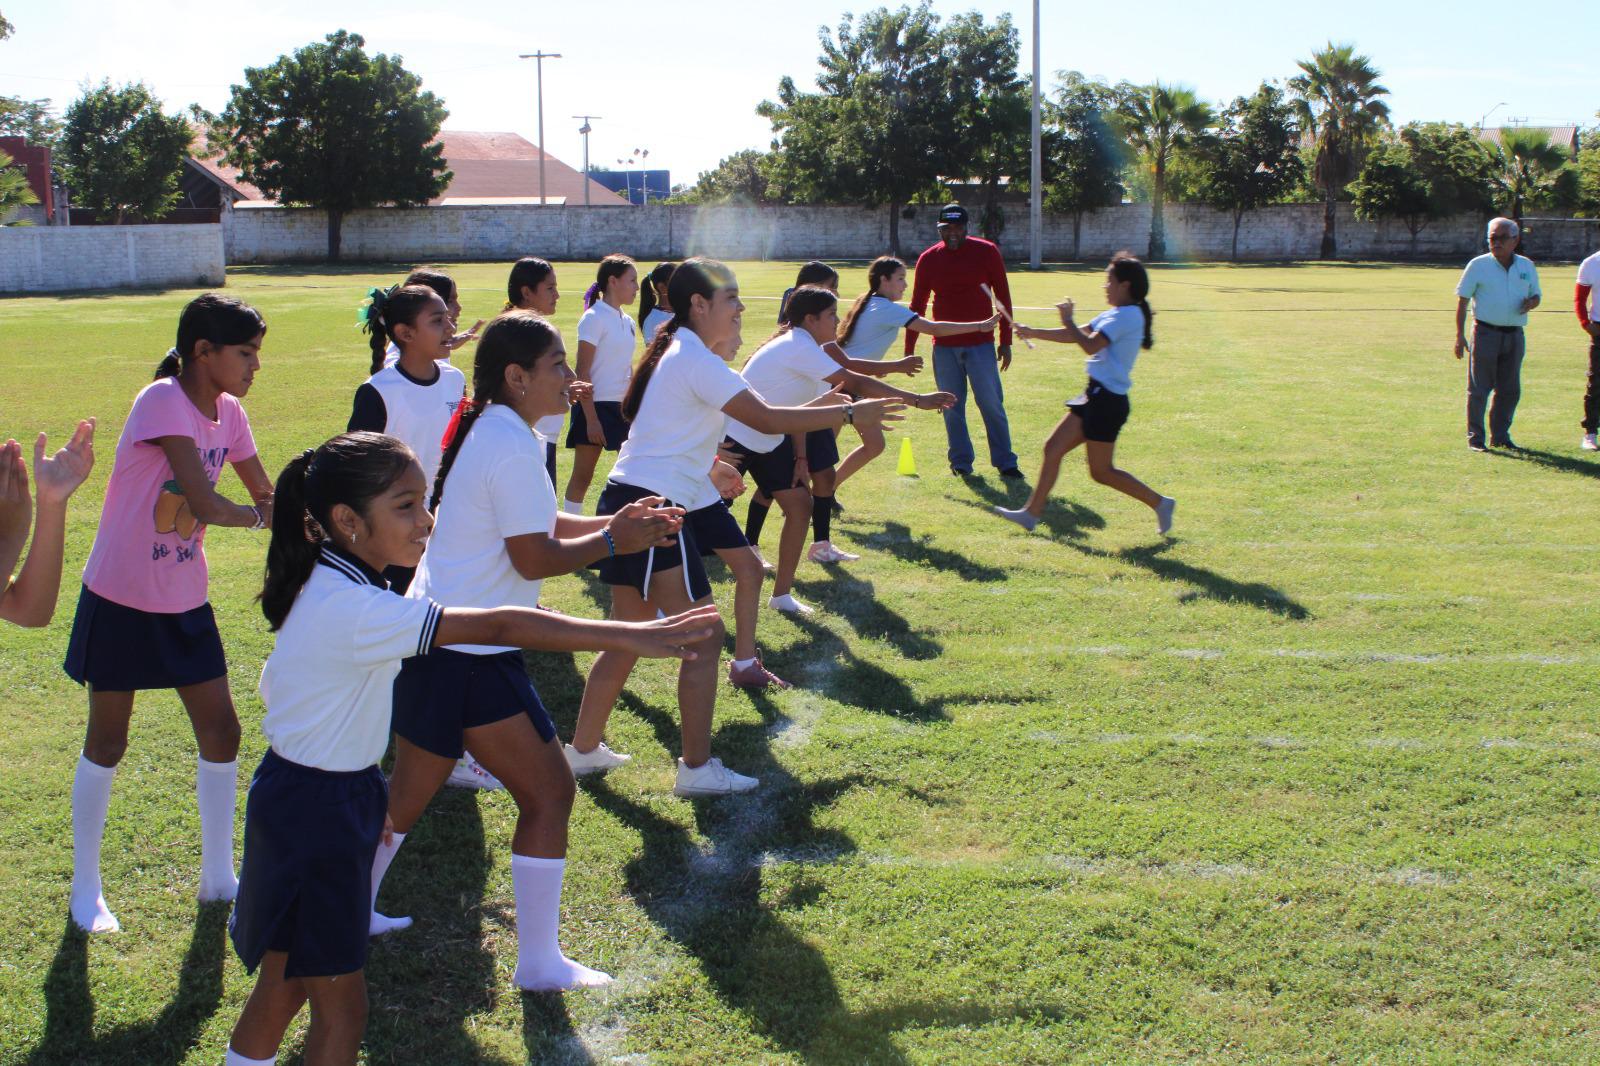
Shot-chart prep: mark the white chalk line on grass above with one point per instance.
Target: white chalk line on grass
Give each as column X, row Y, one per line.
column 1277, row 742
column 1528, row 658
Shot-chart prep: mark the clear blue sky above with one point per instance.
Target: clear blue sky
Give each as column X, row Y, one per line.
column 682, row 79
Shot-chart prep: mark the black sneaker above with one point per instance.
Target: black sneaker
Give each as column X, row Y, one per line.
column 1506, row 443
column 1011, row 473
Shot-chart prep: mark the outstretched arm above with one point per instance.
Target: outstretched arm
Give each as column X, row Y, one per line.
column 31, row 599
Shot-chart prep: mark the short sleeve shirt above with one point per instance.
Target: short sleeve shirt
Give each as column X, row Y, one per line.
column 329, row 683
column 876, row 328
column 614, row 339
column 673, row 439
column 1497, row 292
column 787, row 371
column 415, row 411
column 654, row 321
column 149, row 553
column 1589, row 274
column 497, row 488
column 1112, row 366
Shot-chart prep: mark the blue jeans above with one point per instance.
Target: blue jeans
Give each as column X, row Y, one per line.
column 953, row 368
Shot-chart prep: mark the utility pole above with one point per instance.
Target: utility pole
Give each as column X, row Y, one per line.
column 1036, row 170
column 538, row 60
column 585, row 130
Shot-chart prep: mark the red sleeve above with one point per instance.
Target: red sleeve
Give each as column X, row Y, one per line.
column 1002, row 291
column 920, row 289
column 1580, row 302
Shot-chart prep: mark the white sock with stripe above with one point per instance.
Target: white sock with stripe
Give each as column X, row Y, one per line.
column 380, row 924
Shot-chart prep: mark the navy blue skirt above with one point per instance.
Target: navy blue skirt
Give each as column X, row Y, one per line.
column 440, row 695
column 305, row 880
column 114, row 648
column 707, row 530
column 774, row 471
column 612, row 425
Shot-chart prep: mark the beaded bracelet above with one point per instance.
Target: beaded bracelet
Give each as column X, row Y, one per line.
column 611, row 545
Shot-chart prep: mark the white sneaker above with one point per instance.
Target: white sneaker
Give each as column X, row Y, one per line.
column 469, row 773
column 789, row 605
column 824, row 552
column 711, row 779
column 1590, row 444
column 597, row 761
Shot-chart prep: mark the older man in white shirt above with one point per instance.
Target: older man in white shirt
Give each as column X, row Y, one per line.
column 1502, row 287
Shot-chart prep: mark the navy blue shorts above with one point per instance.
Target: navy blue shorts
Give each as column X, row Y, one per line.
column 1103, row 412
column 114, row 648
column 549, row 462
column 612, row 425
column 774, row 471
column 707, row 530
column 440, row 695
column 305, row 880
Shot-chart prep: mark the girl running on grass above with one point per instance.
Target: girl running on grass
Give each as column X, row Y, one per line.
column 606, row 340
column 316, row 809
column 871, row 325
column 1112, row 339
column 677, row 406
column 498, row 535
column 532, row 287
column 792, row 370
column 29, row 599
column 414, row 397
column 654, row 309
column 144, row 620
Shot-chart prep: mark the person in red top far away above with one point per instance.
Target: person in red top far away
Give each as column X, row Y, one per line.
column 952, row 272
column 1586, row 301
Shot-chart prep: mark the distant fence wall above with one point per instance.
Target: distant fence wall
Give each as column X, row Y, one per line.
column 60, row 258
column 1281, row 232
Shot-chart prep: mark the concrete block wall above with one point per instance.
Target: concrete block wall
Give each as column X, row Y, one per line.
column 62, row 258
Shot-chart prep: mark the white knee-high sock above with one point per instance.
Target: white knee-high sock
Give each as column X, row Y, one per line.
column 216, row 787
column 536, row 883
column 91, row 798
column 233, row 1058
column 379, row 924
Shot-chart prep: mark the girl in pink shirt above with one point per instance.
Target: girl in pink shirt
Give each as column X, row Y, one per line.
column 144, row 620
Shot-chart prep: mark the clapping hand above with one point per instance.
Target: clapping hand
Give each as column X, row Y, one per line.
column 644, row 523
column 60, row 475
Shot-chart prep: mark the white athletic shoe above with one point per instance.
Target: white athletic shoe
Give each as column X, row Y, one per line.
column 468, row 773
column 597, row 761
column 789, row 605
column 1590, row 444
column 1021, row 516
column 824, row 552
column 711, row 779
column 1164, row 511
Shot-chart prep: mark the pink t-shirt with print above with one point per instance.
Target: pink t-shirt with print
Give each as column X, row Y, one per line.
column 149, row 552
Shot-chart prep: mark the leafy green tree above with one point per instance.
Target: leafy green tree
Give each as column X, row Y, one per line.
column 1391, row 186
column 1431, row 170
column 6, row 28
column 29, row 119
column 1588, row 166
column 741, row 178
column 1336, row 99
column 1254, row 159
column 1083, row 153
column 121, row 155
column 989, row 105
column 14, row 189
column 1531, row 171
column 1160, row 121
column 334, row 128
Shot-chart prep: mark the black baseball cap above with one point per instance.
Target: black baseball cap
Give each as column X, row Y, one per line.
column 952, row 214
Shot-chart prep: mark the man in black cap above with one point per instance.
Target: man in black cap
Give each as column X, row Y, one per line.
column 953, row 272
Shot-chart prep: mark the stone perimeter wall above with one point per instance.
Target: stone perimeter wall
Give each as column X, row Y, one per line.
column 63, row 258
column 1194, row 232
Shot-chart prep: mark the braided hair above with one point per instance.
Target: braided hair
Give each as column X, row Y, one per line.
column 399, row 305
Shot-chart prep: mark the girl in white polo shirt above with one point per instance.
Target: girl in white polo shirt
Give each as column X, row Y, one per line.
column 606, row 340
column 498, row 536
column 677, row 405
column 315, row 812
column 1095, row 418
column 792, row 369
column 414, row 397
column 871, row 325
column 532, row 287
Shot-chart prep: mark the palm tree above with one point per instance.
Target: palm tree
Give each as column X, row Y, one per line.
column 1336, row 97
column 1530, row 168
column 14, row 190
column 1159, row 120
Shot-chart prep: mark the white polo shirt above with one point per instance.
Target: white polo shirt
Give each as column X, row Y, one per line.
column 329, row 682
column 673, row 440
column 787, row 371
column 1497, row 292
column 614, row 338
column 1589, row 274
column 497, row 488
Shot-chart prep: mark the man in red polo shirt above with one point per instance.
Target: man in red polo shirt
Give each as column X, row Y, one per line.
column 952, row 271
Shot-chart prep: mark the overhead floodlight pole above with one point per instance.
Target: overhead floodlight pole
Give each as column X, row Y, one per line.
column 1036, row 169
column 585, row 130
column 538, row 60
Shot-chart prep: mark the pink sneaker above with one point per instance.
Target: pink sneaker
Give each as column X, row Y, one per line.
column 754, row 676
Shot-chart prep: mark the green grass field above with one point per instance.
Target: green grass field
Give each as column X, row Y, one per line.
column 1314, row 781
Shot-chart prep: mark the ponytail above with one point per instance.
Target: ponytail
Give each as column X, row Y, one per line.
column 1149, row 336
column 693, row 277
column 1126, row 267
column 526, row 273
column 398, row 305
column 883, row 268
column 656, row 280
column 807, row 300
column 353, row 469
column 466, row 415
column 213, row 317
column 612, row 266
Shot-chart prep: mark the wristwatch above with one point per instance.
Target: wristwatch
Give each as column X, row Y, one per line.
column 849, row 414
